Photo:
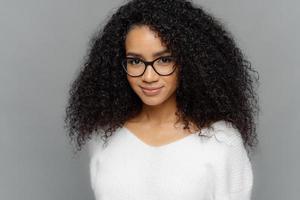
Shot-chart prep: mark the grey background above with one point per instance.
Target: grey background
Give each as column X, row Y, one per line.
column 42, row 46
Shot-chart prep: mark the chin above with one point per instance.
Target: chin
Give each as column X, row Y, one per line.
column 151, row 102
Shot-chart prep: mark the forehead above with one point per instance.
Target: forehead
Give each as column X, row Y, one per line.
column 142, row 39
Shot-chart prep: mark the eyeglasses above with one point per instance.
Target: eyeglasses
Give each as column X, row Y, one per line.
column 163, row 66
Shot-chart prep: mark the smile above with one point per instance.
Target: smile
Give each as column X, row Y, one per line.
column 151, row 92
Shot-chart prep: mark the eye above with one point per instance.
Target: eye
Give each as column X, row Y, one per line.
column 166, row 59
column 133, row 61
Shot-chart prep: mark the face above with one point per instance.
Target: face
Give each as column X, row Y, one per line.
column 144, row 44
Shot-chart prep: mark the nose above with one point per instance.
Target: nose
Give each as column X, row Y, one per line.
column 149, row 74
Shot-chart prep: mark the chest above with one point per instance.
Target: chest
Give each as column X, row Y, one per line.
column 141, row 174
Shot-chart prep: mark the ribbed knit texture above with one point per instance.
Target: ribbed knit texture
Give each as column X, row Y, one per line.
column 192, row 168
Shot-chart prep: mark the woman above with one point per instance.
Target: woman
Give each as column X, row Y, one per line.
column 166, row 102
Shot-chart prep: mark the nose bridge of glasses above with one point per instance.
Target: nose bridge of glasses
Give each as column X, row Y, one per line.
column 147, row 63
column 151, row 64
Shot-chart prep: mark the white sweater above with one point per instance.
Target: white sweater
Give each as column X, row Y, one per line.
column 192, row 168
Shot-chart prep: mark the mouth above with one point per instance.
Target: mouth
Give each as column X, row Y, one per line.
column 151, row 91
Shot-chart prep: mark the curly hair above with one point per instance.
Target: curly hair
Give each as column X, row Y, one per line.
column 216, row 82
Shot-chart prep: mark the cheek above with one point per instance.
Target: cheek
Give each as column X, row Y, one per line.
column 132, row 82
column 172, row 82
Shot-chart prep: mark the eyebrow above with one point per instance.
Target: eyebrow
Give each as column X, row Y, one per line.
column 156, row 54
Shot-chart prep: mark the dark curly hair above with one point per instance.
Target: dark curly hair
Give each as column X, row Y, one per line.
column 216, row 82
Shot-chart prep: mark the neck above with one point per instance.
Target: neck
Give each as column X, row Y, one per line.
column 160, row 114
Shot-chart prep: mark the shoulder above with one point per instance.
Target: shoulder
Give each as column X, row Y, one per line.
column 224, row 132
column 99, row 140
column 96, row 143
column 226, row 147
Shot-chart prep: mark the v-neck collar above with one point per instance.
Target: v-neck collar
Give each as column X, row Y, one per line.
column 160, row 147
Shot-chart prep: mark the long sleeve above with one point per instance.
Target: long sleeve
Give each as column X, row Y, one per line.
column 234, row 176
column 95, row 146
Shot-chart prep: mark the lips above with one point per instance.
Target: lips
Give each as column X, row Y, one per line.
column 148, row 88
column 151, row 91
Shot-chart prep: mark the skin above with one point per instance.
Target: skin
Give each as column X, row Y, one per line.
column 155, row 125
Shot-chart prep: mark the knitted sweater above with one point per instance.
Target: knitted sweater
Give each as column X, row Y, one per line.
column 216, row 167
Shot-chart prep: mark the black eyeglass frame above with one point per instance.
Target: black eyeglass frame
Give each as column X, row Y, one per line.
column 146, row 63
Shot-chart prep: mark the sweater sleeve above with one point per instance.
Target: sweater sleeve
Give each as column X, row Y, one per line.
column 234, row 176
column 95, row 146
